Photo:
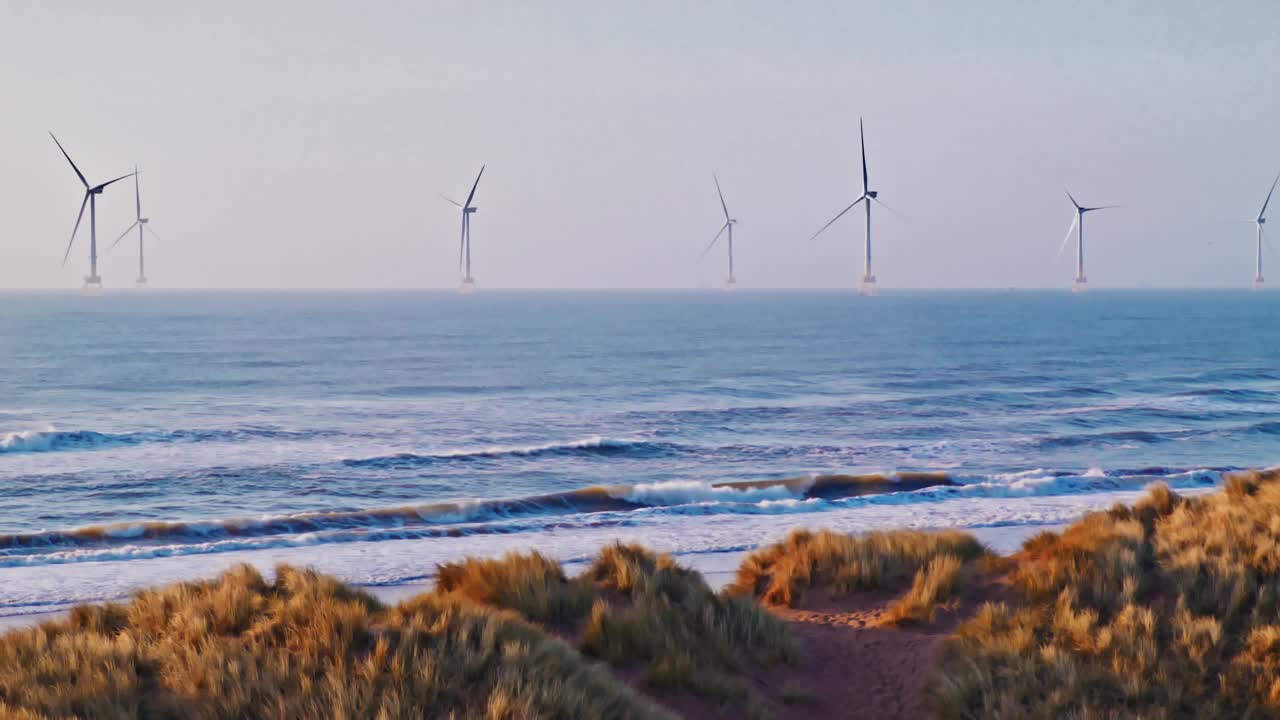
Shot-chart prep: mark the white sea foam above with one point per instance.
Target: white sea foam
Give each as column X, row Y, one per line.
column 24, row 588
column 685, row 492
column 28, row 440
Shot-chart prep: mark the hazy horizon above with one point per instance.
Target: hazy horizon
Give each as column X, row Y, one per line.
column 305, row 145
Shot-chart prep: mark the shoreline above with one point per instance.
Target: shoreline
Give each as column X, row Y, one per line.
column 717, row 569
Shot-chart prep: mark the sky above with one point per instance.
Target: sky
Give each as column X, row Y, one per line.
column 304, row 144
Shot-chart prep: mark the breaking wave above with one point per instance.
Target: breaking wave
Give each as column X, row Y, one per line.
column 601, row 505
column 452, row 516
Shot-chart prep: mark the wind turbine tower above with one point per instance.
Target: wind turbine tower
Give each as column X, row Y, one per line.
column 1077, row 224
column 92, row 281
column 464, row 243
column 729, row 222
column 868, row 286
column 1258, row 223
column 142, row 224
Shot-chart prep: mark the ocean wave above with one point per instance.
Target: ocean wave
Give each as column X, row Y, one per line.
column 591, row 446
column 634, row 506
column 617, row 505
column 1121, row 438
column 51, row 439
column 1240, row 395
column 1093, row 480
column 451, row 515
column 1118, row 437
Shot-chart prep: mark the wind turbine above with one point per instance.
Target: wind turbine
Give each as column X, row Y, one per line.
column 142, row 224
column 1259, row 222
column 464, row 242
column 868, row 196
column 92, row 281
column 728, row 225
column 1077, row 224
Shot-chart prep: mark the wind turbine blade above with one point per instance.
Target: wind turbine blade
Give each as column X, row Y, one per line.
column 137, row 191
column 837, row 217
column 472, row 194
column 122, row 177
column 153, row 232
column 1267, row 241
column 73, row 165
column 722, row 205
column 126, row 232
column 1075, row 218
column 1263, row 211
column 451, row 201
column 713, row 240
column 72, row 241
column 462, row 241
column 865, row 187
column 880, row 202
column 1100, row 207
column 1073, row 200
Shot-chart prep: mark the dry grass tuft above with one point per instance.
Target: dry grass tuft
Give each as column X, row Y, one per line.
column 303, row 646
column 1167, row 609
column 533, row 585
column 779, row 574
column 934, row 584
column 634, row 608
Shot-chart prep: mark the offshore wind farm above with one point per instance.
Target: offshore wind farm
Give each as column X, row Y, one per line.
column 867, row 285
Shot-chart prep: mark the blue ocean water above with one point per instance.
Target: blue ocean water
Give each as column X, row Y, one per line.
column 369, row 432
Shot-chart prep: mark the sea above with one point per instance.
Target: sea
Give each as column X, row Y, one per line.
column 156, row 436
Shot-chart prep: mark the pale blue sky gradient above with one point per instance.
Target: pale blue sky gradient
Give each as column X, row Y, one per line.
column 303, row 144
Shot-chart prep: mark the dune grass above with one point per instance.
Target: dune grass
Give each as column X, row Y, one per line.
column 531, row 584
column 934, row 585
column 841, row 564
column 493, row 640
column 1167, row 609
column 302, row 646
column 634, row 608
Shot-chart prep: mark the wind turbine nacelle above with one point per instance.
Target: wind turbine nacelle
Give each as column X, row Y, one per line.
column 143, row 221
column 872, row 194
column 470, row 210
column 732, row 221
column 1262, row 221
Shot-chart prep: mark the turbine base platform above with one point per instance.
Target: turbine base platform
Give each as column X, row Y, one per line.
column 140, row 282
column 468, row 285
column 868, row 287
column 92, row 285
column 1258, row 283
column 729, row 283
column 1080, row 285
